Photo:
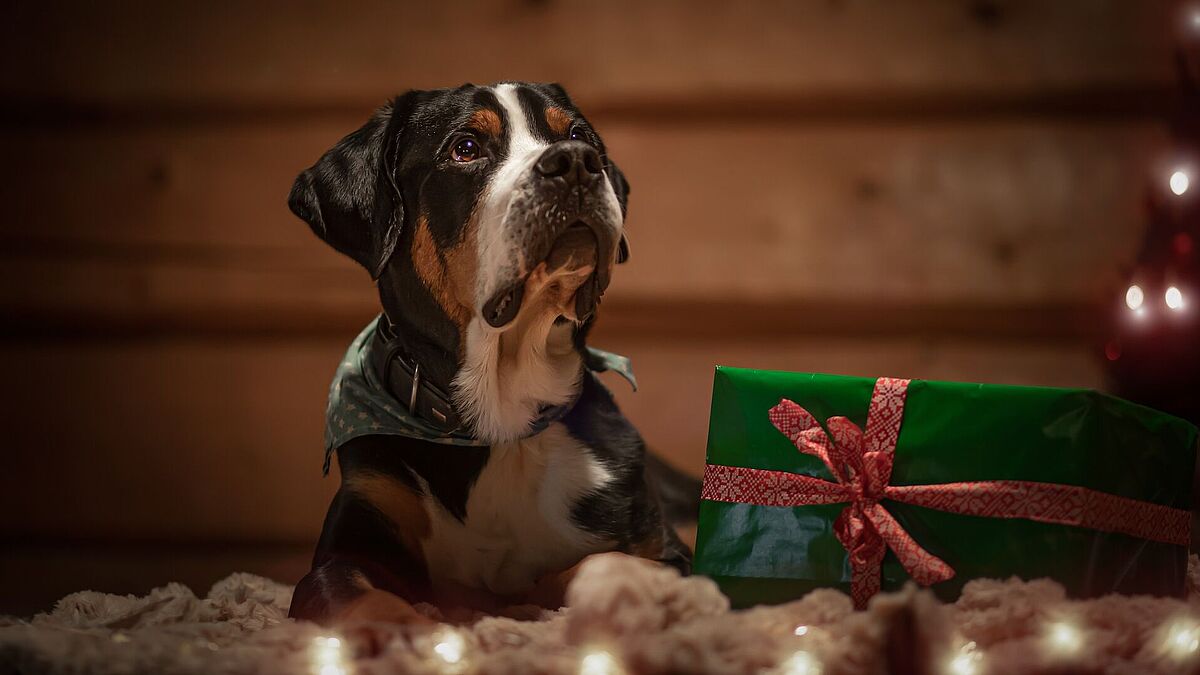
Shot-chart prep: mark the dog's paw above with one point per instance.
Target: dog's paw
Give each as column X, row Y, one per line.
column 376, row 619
column 377, row 605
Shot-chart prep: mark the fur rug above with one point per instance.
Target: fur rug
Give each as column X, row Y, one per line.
column 622, row 615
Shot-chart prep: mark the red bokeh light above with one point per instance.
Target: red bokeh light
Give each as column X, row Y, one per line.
column 1182, row 243
column 1112, row 350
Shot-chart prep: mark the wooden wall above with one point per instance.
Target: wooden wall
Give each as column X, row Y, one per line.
column 934, row 189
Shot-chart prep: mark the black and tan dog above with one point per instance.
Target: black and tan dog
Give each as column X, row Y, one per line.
column 491, row 219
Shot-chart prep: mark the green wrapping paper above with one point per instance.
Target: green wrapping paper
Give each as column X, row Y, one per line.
column 951, row 432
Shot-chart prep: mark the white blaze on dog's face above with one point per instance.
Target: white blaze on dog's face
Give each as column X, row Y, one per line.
column 547, row 228
column 491, row 218
column 547, row 193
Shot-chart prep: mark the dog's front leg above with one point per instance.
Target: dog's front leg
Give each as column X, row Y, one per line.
column 340, row 591
column 367, row 567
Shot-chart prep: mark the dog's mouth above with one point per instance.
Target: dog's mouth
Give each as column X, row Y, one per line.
column 570, row 267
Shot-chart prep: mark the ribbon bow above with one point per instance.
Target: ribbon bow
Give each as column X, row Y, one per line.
column 861, row 464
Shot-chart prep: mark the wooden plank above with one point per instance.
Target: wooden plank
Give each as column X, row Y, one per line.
column 171, row 220
column 326, row 315
column 186, row 439
column 166, row 297
column 974, row 212
column 318, row 53
column 201, row 186
column 173, row 439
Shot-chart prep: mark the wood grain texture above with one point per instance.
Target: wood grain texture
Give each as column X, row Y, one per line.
column 319, row 53
column 949, row 213
column 161, row 223
column 169, row 439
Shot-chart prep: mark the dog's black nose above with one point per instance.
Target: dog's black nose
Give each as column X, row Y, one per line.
column 573, row 161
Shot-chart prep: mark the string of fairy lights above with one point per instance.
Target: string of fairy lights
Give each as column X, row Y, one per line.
column 1166, row 286
column 1177, row 641
column 1060, row 639
column 1173, row 299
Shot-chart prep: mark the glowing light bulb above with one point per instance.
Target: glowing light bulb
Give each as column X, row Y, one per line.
column 1183, row 639
column 801, row 631
column 1134, row 297
column 1174, row 298
column 800, row 663
column 1179, row 182
column 1064, row 637
column 966, row 662
column 450, row 648
column 599, row 662
column 327, row 656
column 963, row 664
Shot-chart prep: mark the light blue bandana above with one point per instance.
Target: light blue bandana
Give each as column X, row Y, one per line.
column 359, row 405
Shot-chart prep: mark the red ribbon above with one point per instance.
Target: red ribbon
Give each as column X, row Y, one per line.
column 861, row 464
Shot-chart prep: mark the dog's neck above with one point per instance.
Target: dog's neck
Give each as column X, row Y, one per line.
column 428, row 336
column 500, row 381
column 506, row 379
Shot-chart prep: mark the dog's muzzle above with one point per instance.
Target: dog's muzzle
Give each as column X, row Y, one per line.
column 565, row 216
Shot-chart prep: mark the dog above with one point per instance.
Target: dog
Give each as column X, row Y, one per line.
column 481, row 459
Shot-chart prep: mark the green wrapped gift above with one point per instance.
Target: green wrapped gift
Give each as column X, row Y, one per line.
column 862, row 484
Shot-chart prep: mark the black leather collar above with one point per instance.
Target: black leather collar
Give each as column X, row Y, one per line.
column 402, row 378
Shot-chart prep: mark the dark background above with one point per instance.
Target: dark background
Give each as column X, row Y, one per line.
column 937, row 189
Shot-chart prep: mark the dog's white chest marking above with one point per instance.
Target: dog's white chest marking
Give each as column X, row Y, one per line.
column 518, row 525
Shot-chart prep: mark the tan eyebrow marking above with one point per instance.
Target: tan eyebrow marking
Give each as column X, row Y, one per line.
column 558, row 119
column 486, row 121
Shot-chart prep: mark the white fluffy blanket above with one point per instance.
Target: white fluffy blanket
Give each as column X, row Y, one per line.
column 622, row 616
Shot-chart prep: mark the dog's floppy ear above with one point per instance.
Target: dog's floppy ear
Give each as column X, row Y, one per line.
column 621, row 188
column 349, row 197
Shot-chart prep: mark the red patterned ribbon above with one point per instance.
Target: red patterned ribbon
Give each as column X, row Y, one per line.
column 861, row 464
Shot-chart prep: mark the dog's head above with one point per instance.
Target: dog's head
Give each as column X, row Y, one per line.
column 478, row 210
column 495, row 189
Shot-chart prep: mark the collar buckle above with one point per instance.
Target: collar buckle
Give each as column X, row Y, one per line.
column 402, row 377
column 416, row 385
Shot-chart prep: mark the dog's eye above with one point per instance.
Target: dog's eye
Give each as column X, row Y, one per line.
column 578, row 135
column 465, row 150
